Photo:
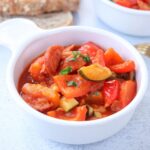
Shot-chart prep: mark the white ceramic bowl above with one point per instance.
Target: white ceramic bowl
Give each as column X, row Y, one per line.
column 126, row 20
column 28, row 41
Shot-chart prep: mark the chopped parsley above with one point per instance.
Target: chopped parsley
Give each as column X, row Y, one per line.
column 72, row 83
column 70, row 59
column 86, row 58
column 66, row 71
column 76, row 54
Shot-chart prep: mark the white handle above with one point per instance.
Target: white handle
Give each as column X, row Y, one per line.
column 14, row 32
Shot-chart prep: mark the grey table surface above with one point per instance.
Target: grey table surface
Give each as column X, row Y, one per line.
column 16, row 133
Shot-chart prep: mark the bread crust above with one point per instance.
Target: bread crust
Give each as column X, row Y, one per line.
column 47, row 20
column 36, row 7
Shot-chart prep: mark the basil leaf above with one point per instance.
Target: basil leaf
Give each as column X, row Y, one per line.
column 72, row 83
column 66, row 71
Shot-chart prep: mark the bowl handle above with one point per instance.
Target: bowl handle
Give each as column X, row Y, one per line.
column 14, row 32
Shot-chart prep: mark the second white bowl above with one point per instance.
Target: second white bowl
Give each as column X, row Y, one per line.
column 126, row 20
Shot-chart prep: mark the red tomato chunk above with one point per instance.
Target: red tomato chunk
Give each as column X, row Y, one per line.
column 135, row 4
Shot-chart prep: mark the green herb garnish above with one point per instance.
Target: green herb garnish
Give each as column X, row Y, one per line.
column 70, row 59
column 76, row 54
column 86, row 58
column 72, row 83
column 66, row 71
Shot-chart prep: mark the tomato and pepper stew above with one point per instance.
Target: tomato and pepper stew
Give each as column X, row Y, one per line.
column 135, row 4
column 78, row 82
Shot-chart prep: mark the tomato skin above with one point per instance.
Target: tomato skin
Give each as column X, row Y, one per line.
column 135, row 4
column 124, row 67
column 68, row 50
column 111, row 91
column 82, row 88
column 75, row 65
column 116, row 106
column 126, row 3
column 71, row 92
column 95, row 86
column 77, row 114
column 40, row 97
column 127, row 92
column 47, row 64
column 95, row 53
column 112, row 57
column 37, row 69
column 40, row 104
column 95, row 98
column 143, row 5
column 146, row 1
column 52, row 58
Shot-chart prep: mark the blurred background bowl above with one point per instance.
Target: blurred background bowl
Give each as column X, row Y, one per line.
column 126, row 20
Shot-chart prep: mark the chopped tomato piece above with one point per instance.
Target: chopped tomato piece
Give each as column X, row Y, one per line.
column 79, row 88
column 95, row 53
column 135, row 7
column 112, row 57
column 147, row 1
column 82, row 86
column 37, row 69
column 116, row 106
column 74, row 64
column 111, row 91
column 52, row 59
column 127, row 92
column 68, row 50
column 39, row 94
column 99, row 108
column 77, row 114
column 143, row 5
column 54, row 87
column 40, row 104
column 135, row 4
column 95, row 86
column 126, row 3
column 99, row 58
column 127, row 66
column 66, row 54
column 95, row 98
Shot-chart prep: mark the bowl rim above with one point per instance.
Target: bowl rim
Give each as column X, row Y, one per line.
column 43, row 117
column 125, row 9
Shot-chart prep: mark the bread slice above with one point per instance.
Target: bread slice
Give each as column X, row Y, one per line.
column 36, row 7
column 49, row 20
